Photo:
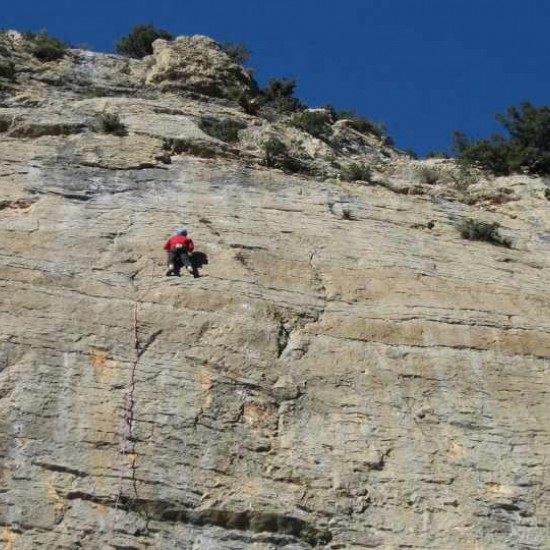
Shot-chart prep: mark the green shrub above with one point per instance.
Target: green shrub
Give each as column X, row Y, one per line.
column 356, row 172
column 175, row 146
column 45, row 47
column 274, row 149
column 139, row 41
column 491, row 155
column 226, row 130
column 7, row 70
column 428, row 174
column 411, row 153
column 314, row 123
column 279, row 95
column 276, row 155
column 362, row 124
column 5, row 124
column 466, row 175
column 437, row 155
column 237, row 51
column 331, row 111
column 347, row 214
column 525, row 148
column 94, row 91
column 475, row 230
column 248, row 103
column 108, row 123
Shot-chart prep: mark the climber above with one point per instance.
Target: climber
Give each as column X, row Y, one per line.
column 180, row 249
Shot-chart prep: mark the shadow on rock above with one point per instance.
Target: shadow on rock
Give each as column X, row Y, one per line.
column 199, row 259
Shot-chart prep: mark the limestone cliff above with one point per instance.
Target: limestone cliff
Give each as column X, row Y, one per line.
column 347, row 372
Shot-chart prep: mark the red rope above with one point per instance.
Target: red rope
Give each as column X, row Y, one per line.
column 128, row 421
column 129, row 408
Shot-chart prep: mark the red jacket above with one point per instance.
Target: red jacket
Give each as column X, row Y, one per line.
column 179, row 239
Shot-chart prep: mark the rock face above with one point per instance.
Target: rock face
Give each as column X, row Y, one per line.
column 344, row 374
column 196, row 63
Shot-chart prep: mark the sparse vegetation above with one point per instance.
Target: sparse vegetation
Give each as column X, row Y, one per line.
column 108, row 123
column 347, row 214
column 94, row 91
column 241, row 258
column 411, row 153
column 356, row 171
column 7, row 69
column 428, row 174
column 237, row 51
column 362, row 124
column 276, row 155
column 225, row 130
column 466, row 175
column 476, row 230
column 200, row 149
column 275, row 150
column 315, row 123
column 437, row 155
column 45, row 47
column 5, row 124
column 279, row 95
column 139, row 41
column 526, row 148
column 248, row 103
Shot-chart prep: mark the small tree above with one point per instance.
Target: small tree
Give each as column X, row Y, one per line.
column 362, row 124
column 45, row 47
column 490, row 154
column 139, row 41
column 237, row 51
column 279, row 94
column 526, row 147
column 314, row 123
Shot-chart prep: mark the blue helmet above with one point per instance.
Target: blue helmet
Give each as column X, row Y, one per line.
column 182, row 232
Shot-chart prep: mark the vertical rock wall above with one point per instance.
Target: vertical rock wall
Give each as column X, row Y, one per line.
column 347, row 372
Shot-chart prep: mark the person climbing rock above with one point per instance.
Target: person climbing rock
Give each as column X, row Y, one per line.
column 179, row 248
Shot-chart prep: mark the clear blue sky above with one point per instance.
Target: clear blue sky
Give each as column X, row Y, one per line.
column 423, row 67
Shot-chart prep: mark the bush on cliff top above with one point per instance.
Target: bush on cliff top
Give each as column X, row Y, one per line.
column 139, row 41
column 314, row 123
column 526, row 148
column 279, row 95
column 45, row 47
column 7, row 69
column 237, row 51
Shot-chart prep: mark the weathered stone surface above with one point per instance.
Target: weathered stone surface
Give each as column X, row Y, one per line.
column 195, row 63
column 332, row 380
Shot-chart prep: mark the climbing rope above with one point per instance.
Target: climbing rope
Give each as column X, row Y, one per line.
column 128, row 444
column 128, row 420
